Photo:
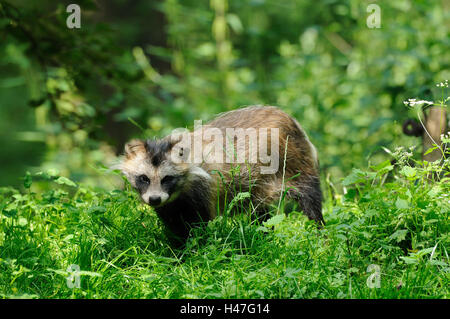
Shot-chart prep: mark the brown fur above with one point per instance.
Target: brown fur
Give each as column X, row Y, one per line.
column 220, row 188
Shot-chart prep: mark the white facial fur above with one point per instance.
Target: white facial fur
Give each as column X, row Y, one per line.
column 139, row 165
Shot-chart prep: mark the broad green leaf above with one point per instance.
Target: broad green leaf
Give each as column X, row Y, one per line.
column 424, row 252
column 401, row 203
column 262, row 228
column 65, row 181
column 356, row 176
column 275, row 220
column 408, row 172
column 430, row 150
column 409, row 260
column 383, row 167
column 399, row 235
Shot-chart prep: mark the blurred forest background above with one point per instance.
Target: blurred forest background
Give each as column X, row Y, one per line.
column 71, row 98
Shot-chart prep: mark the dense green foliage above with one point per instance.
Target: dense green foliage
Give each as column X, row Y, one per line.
column 401, row 226
column 71, row 98
column 165, row 63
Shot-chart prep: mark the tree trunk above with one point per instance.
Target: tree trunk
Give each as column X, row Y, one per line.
column 436, row 125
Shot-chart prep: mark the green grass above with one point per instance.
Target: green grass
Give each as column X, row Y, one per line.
column 392, row 218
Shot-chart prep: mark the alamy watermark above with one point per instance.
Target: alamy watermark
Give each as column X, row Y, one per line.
column 374, row 280
column 73, row 279
column 374, row 19
column 230, row 145
column 73, row 21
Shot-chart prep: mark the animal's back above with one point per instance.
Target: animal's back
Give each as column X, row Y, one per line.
column 297, row 169
column 292, row 140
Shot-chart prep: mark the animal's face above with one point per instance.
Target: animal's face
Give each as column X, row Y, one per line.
column 150, row 168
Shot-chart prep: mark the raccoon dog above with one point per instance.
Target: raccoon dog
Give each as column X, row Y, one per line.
column 188, row 178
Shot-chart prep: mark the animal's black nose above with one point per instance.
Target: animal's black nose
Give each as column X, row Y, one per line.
column 154, row 200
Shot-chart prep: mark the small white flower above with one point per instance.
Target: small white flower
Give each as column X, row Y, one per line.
column 413, row 102
column 443, row 84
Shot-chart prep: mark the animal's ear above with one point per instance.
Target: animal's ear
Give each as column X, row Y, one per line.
column 133, row 147
column 173, row 140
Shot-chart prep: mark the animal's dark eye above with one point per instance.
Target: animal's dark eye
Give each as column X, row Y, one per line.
column 143, row 179
column 168, row 179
